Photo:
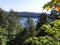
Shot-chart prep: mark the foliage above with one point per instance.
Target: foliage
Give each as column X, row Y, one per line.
column 50, row 4
column 51, row 38
column 29, row 29
column 9, row 27
column 45, row 40
column 12, row 33
column 41, row 20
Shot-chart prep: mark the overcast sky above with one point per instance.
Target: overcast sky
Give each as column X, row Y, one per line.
column 23, row 5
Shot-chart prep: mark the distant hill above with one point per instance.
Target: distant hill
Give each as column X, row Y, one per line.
column 29, row 14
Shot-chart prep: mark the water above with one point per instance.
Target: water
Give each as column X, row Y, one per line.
column 23, row 21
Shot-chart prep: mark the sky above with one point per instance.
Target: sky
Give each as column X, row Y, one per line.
column 23, row 5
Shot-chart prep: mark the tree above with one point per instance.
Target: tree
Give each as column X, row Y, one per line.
column 44, row 40
column 30, row 26
column 28, row 31
column 3, row 18
column 7, row 33
column 54, row 15
column 51, row 38
column 14, row 18
column 52, row 3
column 14, row 28
column 42, row 20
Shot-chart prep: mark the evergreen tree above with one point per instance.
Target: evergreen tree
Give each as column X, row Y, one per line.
column 41, row 20
column 7, row 32
column 28, row 31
